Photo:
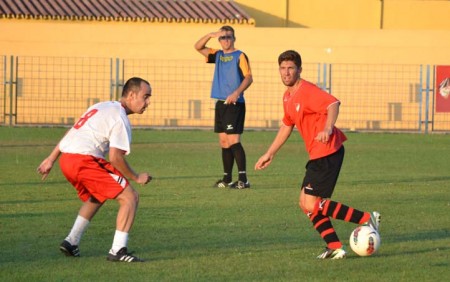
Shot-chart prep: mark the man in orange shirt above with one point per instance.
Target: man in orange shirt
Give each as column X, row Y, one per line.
column 314, row 112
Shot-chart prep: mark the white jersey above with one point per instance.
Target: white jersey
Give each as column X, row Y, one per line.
column 102, row 126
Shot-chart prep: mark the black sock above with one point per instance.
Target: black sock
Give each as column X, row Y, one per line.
column 228, row 161
column 340, row 211
column 323, row 225
column 239, row 156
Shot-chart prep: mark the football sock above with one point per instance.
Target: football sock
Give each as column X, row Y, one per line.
column 228, row 161
column 340, row 211
column 364, row 218
column 77, row 231
column 241, row 162
column 326, row 230
column 120, row 241
column 243, row 176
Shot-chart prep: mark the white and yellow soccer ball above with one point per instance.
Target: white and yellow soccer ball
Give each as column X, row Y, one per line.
column 365, row 241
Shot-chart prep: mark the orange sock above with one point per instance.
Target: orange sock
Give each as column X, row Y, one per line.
column 334, row 245
column 364, row 218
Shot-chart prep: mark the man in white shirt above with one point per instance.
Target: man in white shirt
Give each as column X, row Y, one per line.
column 103, row 128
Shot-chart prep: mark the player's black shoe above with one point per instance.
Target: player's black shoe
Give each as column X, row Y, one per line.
column 69, row 249
column 222, row 184
column 240, row 185
column 123, row 256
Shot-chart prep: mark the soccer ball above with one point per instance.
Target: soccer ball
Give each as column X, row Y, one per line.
column 365, row 240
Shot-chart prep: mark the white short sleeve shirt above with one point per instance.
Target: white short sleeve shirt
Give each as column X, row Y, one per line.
column 102, row 126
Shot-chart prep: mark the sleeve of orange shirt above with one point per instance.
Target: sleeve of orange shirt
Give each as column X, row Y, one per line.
column 316, row 100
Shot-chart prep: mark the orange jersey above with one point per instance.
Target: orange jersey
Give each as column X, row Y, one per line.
column 307, row 109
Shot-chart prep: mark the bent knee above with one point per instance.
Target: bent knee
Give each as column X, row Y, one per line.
column 306, row 207
column 135, row 196
column 129, row 195
column 308, row 202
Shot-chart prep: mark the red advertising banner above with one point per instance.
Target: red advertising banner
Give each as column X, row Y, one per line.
column 442, row 89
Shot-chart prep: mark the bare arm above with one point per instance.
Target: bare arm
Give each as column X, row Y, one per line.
column 324, row 135
column 47, row 164
column 233, row 97
column 200, row 45
column 283, row 134
column 117, row 159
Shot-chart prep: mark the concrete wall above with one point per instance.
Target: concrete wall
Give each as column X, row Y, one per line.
column 145, row 40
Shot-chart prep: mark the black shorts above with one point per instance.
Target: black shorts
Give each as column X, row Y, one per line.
column 322, row 174
column 229, row 118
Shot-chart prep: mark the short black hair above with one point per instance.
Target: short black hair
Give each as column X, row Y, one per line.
column 227, row 28
column 290, row 55
column 133, row 84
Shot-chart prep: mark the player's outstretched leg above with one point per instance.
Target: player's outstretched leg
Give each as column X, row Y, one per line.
column 374, row 221
column 340, row 211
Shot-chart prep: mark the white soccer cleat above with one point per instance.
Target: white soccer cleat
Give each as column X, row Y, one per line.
column 374, row 221
column 333, row 254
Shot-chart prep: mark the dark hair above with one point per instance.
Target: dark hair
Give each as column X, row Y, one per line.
column 133, row 84
column 290, row 55
column 227, row 28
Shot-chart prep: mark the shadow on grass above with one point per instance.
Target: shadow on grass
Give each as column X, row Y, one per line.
column 413, row 252
column 396, row 180
column 402, row 253
column 35, row 183
column 418, row 236
column 265, row 175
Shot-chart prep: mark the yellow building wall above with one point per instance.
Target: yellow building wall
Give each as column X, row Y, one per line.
column 164, row 41
column 267, row 13
column 423, row 14
column 350, row 14
column 335, row 14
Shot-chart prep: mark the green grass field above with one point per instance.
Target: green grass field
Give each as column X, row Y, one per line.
column 188, row 231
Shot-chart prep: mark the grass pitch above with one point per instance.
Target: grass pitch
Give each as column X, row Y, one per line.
column 188, row 231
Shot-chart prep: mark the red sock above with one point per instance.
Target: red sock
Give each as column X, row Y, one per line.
column 364, row 218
